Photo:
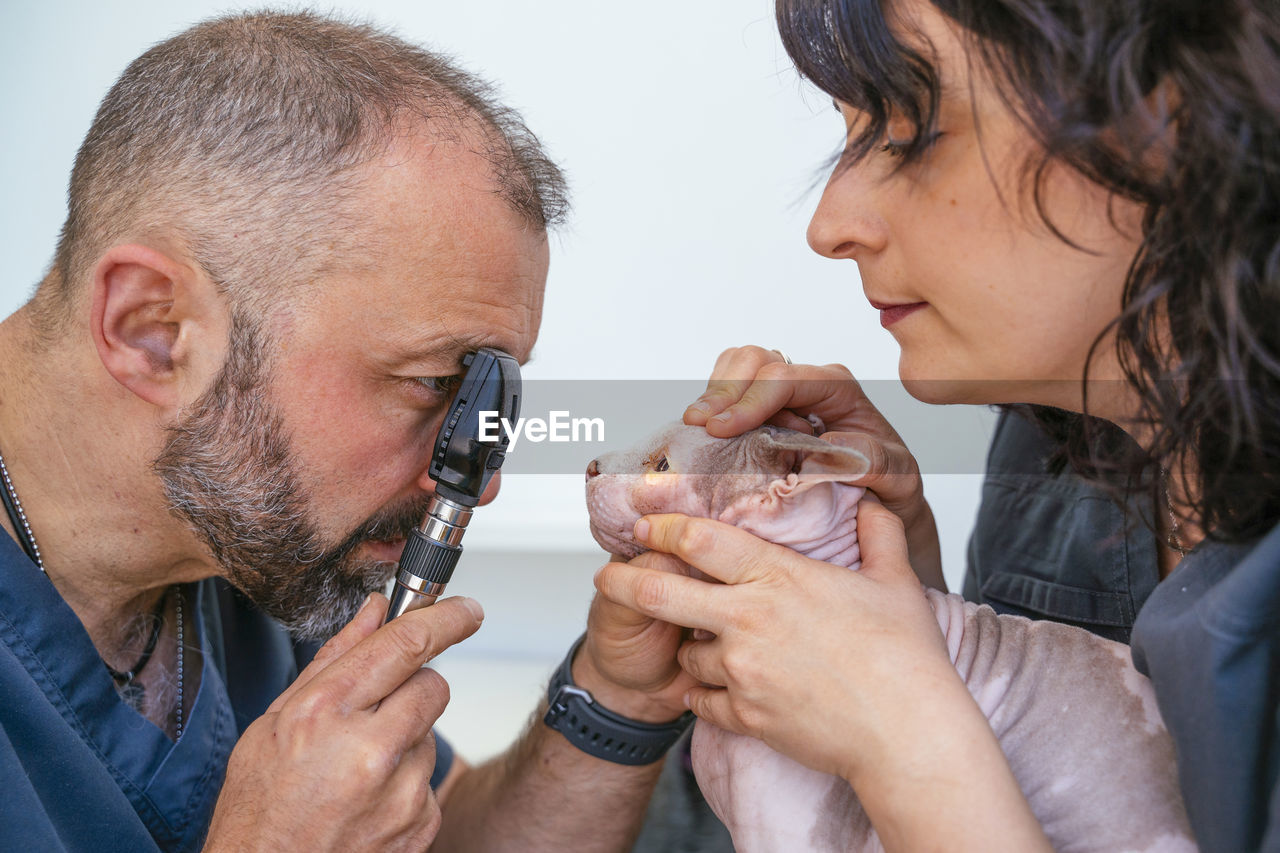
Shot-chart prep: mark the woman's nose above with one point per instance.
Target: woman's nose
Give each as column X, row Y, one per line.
column 846, row 223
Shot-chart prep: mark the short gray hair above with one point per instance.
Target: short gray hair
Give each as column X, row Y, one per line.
column 244, row 134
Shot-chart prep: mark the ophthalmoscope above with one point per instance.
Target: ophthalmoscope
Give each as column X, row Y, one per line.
column 462, row 466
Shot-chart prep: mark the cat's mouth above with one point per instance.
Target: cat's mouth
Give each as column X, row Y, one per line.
column 617, row 542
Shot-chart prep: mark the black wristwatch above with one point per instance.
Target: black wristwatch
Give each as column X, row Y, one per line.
column 598, row 731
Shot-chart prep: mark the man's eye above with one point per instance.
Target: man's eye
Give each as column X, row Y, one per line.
column 662, row 465
column 442, row 385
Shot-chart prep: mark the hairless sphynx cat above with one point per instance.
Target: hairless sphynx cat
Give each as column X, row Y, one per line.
column 1078, row 723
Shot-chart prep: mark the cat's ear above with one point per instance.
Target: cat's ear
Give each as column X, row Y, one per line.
column 811, row 502
column 810, row 461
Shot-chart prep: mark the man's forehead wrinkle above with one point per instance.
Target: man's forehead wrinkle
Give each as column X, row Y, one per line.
column 443, row 344
column 512, row 324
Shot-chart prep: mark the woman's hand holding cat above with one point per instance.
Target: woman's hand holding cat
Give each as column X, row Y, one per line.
column 751, row 385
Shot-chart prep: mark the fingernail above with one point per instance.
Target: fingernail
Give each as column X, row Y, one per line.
column 723, row 416
column 641, row 530
column 685, row 699
column 367, row 599
column 474, row 608
column 701, row 407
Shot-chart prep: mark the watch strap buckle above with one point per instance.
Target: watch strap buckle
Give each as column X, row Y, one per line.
column 558, row 705
column 597, row 731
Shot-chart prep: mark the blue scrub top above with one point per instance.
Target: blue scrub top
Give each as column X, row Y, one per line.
column 80, row 769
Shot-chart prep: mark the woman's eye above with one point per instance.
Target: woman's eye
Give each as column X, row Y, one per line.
column 662, row 465
column 898, row 149
column 895, row 149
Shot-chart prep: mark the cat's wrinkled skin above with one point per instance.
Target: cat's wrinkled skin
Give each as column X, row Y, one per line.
column 1077, row 722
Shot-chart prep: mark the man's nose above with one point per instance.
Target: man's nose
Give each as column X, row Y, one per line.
column 490, row 492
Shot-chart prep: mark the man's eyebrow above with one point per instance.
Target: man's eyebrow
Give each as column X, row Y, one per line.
column 451, row 350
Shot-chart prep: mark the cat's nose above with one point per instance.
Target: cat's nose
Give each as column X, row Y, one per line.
column 592, row 468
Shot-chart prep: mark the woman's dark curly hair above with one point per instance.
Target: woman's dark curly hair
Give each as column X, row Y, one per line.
column 1172, row 104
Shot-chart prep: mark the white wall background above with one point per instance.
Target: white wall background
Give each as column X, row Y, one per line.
column 691, row 146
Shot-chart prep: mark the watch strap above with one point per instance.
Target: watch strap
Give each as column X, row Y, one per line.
column 597, row 731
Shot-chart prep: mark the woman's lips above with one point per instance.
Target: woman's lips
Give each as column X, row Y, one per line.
column 890, row 314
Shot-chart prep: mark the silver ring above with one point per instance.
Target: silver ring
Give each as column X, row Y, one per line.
column 786, row 359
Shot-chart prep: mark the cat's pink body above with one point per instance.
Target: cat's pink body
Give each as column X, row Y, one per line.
column 1077, row 722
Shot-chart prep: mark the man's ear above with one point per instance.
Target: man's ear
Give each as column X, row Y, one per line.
column 149, row 314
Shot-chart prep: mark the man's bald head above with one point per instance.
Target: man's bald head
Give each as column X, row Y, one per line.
column 243, row 138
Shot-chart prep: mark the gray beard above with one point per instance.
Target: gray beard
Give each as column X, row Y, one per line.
column 228, row 471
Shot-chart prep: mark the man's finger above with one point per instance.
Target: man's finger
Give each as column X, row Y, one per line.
column 383, row 661
column 712, row 704
column 407, row 715
column 701, row 659
column 720, row 550
column 408, row 804
column 367, row 620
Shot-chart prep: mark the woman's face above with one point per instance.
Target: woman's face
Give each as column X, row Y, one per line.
column 1003, row 310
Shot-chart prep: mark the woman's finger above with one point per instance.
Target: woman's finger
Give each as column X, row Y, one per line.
column 883, row 541
column 733, row 373
column 828, row 391
column 790, row 420
column 664, row 596
column 770, row 390
column 720, row 550
column 892, row 471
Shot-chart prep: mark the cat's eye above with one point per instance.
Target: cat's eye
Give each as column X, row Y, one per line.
column 662, row 465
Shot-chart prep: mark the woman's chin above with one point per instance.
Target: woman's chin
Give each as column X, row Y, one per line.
column 936, row 387
column 949, row 391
